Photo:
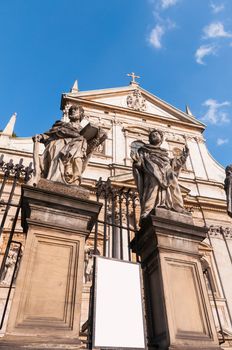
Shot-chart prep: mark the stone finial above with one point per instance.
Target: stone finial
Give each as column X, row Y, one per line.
column 8, row 131
column 188, row 111
column 75, row 86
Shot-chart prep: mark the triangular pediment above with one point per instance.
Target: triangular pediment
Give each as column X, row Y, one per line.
column 134, row 98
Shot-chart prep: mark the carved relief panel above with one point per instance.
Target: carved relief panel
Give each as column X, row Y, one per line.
column 136, row 101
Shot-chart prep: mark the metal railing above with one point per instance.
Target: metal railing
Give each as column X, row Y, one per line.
column 12, row 175
column 118, row 220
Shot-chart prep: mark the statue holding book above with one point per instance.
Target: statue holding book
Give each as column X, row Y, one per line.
column 68, row 147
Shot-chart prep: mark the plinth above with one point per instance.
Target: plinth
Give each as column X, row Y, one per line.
column 178, row 311
column 47, row 299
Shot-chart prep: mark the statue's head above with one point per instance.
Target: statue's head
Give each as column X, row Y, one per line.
column 156, row 137
column 76, row 113
column 229, row 170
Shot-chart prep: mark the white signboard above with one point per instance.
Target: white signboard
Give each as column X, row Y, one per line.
column 118, row 312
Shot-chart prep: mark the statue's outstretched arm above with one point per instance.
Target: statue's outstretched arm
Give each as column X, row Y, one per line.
column 185, row 154
column 40, row 138
column 179, row 162
column 137, row 160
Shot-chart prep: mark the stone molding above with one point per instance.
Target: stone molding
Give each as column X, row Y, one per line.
column 218, row 231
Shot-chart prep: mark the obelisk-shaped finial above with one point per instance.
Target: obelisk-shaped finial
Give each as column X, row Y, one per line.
column 9, row 129
column 75, row 86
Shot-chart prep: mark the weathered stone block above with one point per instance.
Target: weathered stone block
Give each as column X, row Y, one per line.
column 177, row 305
column 47, row 300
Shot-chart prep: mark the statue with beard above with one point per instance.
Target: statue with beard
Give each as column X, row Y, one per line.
column 68, row 147
column 156, row 175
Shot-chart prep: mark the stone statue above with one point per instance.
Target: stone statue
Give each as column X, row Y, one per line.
column 156, row 174
column 88, row 264
column 9, row 267
column 228, row 189
column 68, row 147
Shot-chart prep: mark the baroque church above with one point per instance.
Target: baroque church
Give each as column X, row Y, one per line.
column 127, row 115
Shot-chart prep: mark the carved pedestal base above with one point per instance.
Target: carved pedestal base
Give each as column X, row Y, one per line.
column 47, row 298
column 177, row 305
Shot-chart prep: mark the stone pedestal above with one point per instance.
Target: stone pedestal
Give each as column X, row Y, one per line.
column 177, row 305
column 47, row 300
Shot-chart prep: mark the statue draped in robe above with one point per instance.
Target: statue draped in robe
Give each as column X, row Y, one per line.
column 156, row 175
column 67, row 150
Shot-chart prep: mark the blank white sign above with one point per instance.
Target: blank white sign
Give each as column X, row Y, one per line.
column 118, row 313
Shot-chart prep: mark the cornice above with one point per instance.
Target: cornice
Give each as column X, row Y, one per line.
column 165, row 120
column 15, row 152
column 120, row 91
column 221, row 232
column 202, row 181
column 206, row 204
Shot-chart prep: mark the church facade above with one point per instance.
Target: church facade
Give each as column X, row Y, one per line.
column 127, row 114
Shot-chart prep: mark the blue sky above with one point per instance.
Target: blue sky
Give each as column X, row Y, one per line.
column 182, row 50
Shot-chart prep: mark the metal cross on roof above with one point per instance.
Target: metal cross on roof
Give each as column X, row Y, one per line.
column 133, row 76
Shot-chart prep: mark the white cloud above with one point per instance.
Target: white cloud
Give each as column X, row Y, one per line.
column 204, row 50
column 156, row 35
column 216, row 30
column 163, row 25
column 168, row 3
column 215, row 113
column 221, row 142
column 217, row 8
